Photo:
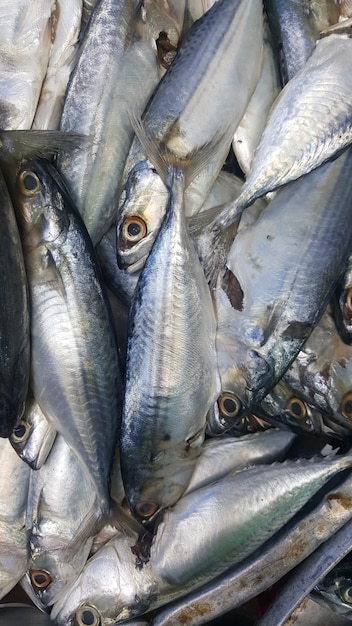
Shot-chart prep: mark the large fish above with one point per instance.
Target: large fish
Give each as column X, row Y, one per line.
column 309, row 124
column 214, row 75
column 171, row 376
column 75, row 369
column 107, row 82
column 247, row 508
column 280, row 282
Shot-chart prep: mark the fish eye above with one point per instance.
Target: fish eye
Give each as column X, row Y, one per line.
column 348, row 304
column 229, row 406
column 40, row 578
column 346, row 404
column 29, row 183
column 146, row 508
column 296, row 408
column 346, row 592
column 87, row 616
column 134, row 229
column 21, row 432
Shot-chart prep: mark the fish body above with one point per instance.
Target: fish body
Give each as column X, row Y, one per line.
column 24, row 54
column 269, row 316
column 309, row 123
column 14, row 319
column 214, row 75
column 248, row 507
column 13, row 499
column 171, row 374
column 103, row 88
column 61, row 521
column 75, row 369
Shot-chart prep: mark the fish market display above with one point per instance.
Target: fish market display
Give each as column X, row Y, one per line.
column 176, row 310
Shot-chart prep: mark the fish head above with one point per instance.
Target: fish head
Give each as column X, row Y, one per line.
column 143, row 205
column 245, row 377
column 335, row 589
column 39, row 205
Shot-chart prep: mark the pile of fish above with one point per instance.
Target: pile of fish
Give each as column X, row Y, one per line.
column 176, row 306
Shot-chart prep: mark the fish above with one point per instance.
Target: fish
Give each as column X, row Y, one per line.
column 266, row 318
column 61, row 520
column 65, row 28
column 24, row 54
column 33, row 436
column 123, row 71
column 75, row 374
column 342, row 304
column 14, row 482
column 335, row 589
column 14, row 319
column 215, row 71
column 171, row 376
column 308, row 124
column 249, row 506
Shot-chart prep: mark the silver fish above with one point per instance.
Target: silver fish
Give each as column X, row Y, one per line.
column 122, row 71
column 75, row 370
column 171, row 374
column 14, row 481
column 61, row 520
column 214, row 74
column 308, row 124
column 271, row 263
column 248, row 507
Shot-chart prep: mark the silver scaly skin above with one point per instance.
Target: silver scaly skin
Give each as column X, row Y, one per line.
column 171, row 377
column 75, row 369
column 33, row 436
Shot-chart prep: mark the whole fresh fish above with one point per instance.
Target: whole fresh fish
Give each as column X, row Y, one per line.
column 214, row 75
column 107, row 82
column 14, row 319
column 65, row 22
column 33, row 436
column 270, row 311
column 296, row 25
column 14, row 481
column 24, row 53
column 61, row 520
column 309, row 124
column 290, row 546
column 75, row 369
column 171, row 376
column 247, row 507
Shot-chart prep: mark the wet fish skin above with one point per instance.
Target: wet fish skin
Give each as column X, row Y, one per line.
column 24, row 52
column 75, row 370
column 13, row 499
column 14, row 319
column 34, row 436
column 215, row 71
column 61, row 520
column 242, row 526
column 171, row 377
column 271, row 263
column 320, row 91
column 103, row 76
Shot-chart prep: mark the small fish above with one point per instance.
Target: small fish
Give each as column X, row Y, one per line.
column 335, row 589
column 342, row 304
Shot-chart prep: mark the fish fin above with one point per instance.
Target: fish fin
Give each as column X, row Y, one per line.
column 163, row 158
column 231, row 214
column 212, row 242
column 22, row 144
